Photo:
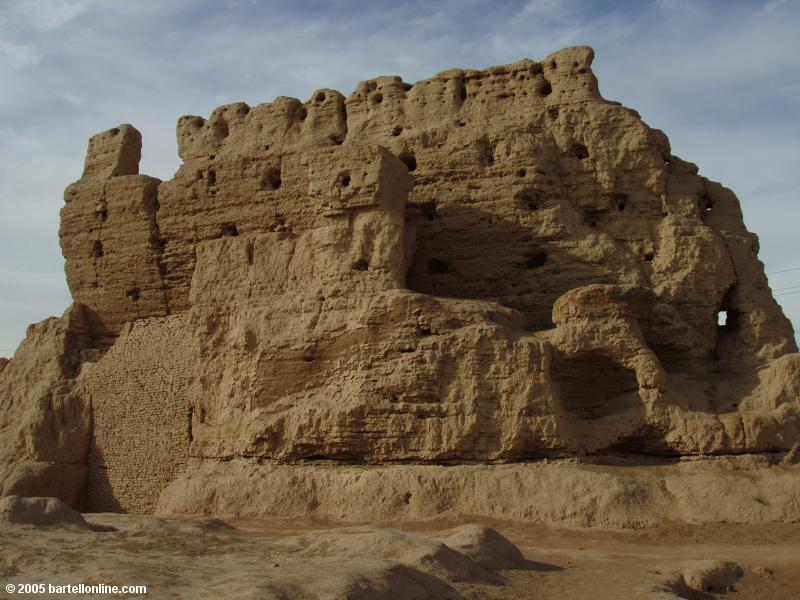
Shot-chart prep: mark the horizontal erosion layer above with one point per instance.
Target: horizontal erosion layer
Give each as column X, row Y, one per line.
column 622, row 494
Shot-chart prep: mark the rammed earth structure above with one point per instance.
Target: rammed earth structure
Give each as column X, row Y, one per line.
column 485, row 266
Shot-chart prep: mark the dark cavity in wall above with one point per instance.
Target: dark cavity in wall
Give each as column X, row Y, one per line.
column 527, row 200
column 271, row 180
column 409, row 160
column 486, row 153
column 580, row 151
column 706, row 205
column 437, row 266
column 462, row 91
column 229, row 230
column 486, row 263
column 594, row 385
column 726, row 346
column 534, row 260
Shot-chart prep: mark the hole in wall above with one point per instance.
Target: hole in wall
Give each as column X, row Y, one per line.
column 534, row 260
column 649, row 257
column 553, row 65
column 580, row 151
column 360, row 265
column 706, row 204
column 409, row 160
column 101, row 214
column 437, row 266
column 545, row 88
column 377, row 98
column 485, row 152
column 344, row 179
column 727, row 344
column 229, row 230
column 593, row 218
column 397, row 130
column 97, row 249
column 621, row 200
column 462, row 92
column 428, row 210
column 336, row 139
column 320, row 97
column 271, row 180
column 133, row 294
column 527, row 200
column 302, row 113
column 211, row 177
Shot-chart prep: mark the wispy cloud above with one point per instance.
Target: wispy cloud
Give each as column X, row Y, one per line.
column 18, row 56
column 45, row 15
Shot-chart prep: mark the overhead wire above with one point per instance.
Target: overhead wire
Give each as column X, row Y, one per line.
column 784, row 271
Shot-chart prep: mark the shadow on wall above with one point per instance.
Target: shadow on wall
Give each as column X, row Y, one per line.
column 464, row 252
column 102, row 497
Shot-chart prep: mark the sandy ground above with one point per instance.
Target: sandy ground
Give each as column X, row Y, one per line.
column 197, row 557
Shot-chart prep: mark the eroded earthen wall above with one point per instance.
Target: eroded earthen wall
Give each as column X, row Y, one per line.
column 548, row 286
column 141, row 421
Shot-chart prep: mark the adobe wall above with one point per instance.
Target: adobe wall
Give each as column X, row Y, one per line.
column 141, row 421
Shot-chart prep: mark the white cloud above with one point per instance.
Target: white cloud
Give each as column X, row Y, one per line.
column 18, row 56
column 73, row 99
column 46, row 15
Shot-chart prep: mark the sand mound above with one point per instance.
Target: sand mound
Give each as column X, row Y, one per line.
column 40, row 512
column 434, row 557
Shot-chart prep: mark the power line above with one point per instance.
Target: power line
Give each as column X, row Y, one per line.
column 791, row 287
column 788, row 293
column 784, row 271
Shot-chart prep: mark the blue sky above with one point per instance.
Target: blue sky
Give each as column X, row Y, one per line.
column 721, row 78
